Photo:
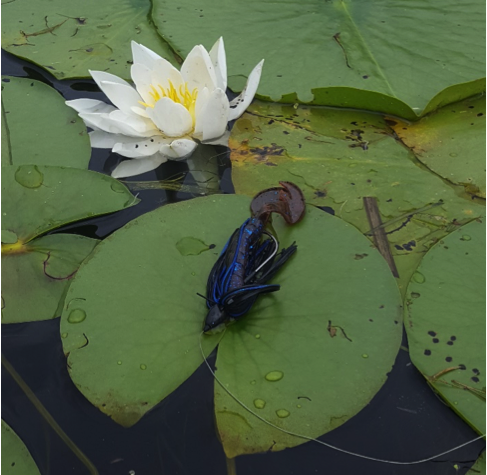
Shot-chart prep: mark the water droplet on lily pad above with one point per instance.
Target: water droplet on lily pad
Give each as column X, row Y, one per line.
column 259, row 403
column 64, row 335
column 252, row 382
column 257, row 336
column 143, row 366
column 274, row 376
column 76, row 316
column 190, row 246
column 282, row 413
column 419, row 278
column 365, row 355
column 29, row 176
column 119, row 362
column 466, row 237
column 298, row 406
column 453, row 155
column 117, row 187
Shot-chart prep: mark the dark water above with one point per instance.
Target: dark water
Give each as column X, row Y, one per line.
column 405, row 420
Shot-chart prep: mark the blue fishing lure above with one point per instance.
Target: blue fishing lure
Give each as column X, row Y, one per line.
column 250, row 258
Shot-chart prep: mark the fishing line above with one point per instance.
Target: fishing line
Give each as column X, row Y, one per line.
column 301, row 436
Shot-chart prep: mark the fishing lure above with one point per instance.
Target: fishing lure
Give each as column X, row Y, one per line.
column 250, row 258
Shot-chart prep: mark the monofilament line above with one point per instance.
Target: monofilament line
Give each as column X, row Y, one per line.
column 301, row 436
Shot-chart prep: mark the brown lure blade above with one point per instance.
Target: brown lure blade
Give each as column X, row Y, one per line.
column 287, row 200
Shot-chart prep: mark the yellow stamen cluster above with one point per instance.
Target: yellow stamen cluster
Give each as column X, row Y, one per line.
column 182, row 96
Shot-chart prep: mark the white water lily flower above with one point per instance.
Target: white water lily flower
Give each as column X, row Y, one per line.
column 168, row 111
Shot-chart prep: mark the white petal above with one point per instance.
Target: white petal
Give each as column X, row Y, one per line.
column 143, row 127
column 143, row 55
column 140, row 110
column 123, row 97
column 179, row 149
column 241, row 102
column 119, row 123
column 137, row 167
column 201, row 101
column 100, row 139
column 141, row 75
column 223, row 140
column 214, row 116
column 100, row 76
column 140, row 148
column 163, row 72
column 90, row 105
column 171, row 118
column 219, row 60
column 198, row 70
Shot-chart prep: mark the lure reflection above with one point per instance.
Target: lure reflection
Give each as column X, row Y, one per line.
column 250, row 258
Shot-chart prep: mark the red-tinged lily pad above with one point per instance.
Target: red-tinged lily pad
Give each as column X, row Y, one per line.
column 16, row 458
column 338, row 157
column 27, row 137
column 314, row 353
column 445, row 321
column 36, row 270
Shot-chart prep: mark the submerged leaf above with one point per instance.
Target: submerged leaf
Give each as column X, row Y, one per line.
column 445, row 321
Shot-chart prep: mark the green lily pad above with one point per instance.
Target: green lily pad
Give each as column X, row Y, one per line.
column 27, row 137
column 451, row 143
column 127, row 353
column 36, row 271
column 51, row 197
column 312, row 356
column 36, row 279
column 445, row 321
column 16, row 459
column 478, row 467
column 348, row 53
column 337, row 157
column 69, row 38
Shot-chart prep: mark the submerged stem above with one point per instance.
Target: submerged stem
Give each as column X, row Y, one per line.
column 47, row 416
column 231, row 466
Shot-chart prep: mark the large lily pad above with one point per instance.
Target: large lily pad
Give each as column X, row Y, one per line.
column 67, row 38
column 16, row 459
column 451, row 143
column 445, row 321
column 128, row 352
column 312, row 356
column 36, row 271
column 337, row 157
column 38, row 127
column 347, row 53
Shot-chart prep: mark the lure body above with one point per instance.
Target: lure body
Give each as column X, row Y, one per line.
column 248, row 261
